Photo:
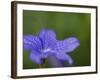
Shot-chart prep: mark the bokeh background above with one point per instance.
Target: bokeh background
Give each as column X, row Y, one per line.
column 65, row 24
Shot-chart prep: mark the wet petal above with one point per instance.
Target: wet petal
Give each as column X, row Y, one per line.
column 67, row 45
column 64, row 57
column 35, row 57
column 48, row 38
column 31, row 42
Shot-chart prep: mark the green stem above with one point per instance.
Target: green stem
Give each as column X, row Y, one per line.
column 43, row 65
column 40, row 65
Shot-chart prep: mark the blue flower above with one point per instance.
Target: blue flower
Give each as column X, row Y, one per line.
column 46, row 44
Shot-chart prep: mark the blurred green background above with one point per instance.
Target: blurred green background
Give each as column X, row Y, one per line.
column 65, row 24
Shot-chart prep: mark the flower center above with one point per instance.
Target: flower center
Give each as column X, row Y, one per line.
column 46, row 50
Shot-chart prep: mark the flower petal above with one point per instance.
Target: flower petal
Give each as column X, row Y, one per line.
column 31, row 42
column 48, row 38
column 35, row 57
column 54, row 61
column 64, row 57
column 67, row 45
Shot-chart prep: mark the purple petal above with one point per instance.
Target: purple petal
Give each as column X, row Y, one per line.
column 48, row 38
column 54, row 61
column 31, row 42
column 64, row 57
column 67, row 45
column 35, row 57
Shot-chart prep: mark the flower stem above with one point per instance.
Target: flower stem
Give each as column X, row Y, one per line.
column 40, row 65
column 43, row 65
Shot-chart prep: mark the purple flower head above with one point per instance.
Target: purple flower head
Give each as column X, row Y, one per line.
column 46, row 44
